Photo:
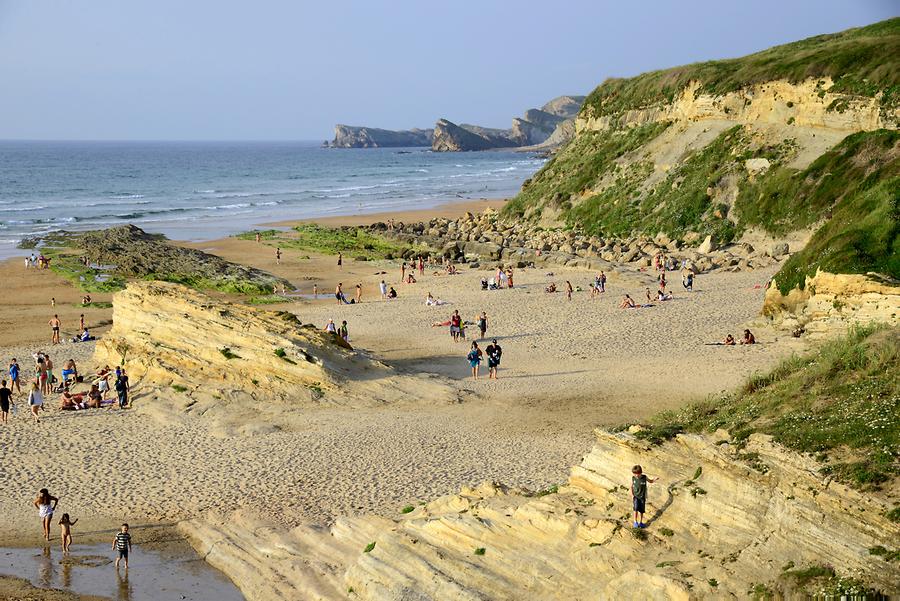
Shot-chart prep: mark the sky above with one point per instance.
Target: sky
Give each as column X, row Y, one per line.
column 290, row 70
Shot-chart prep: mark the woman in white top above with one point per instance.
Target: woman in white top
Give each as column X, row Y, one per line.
column 36, row 400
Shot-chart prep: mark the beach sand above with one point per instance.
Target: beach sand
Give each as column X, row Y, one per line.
column 567, row 367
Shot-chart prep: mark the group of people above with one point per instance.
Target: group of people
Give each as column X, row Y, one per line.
column 42, row 385
column 342, row 331
column 46, row 505
column 37, row 262
column 747, row 338
column 476, row 355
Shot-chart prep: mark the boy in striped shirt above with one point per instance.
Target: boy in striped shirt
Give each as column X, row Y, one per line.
column 122, row 543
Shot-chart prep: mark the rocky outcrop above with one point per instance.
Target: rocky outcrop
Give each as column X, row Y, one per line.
column 350, row 136
column 721, row 521
column 489, row 238
column 534, row 128
column 830, row 303
column 242, row 366
column 450, row 137
column 135, row 253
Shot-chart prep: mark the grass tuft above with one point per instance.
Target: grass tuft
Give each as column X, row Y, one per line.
column 228, row 353
column 480, row 551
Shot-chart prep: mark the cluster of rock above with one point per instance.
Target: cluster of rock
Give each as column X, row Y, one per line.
column 549, row 126
column 135, row 253
column 722, row 520
column 488, row 238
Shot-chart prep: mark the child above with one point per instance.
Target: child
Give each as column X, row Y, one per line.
column 65, row 526
column 639, row 494
column 122, row 543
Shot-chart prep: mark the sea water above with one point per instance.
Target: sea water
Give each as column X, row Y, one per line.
column 152, row 575
column 203, row 190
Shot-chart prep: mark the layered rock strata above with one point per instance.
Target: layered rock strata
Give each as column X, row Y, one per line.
column 721, row 521
column 350, row 136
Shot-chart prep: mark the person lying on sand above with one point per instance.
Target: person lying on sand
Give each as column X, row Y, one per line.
column 627, row 303
column 748, row 338
column 430, row 301
column 440, row 324
column 551, row 288
column 71, row 402
column 664, row 296
column 729, row 340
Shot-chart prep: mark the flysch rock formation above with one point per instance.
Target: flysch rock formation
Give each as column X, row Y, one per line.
column 537, row 126
column 241, row 366
column 351, row 136
column 831, row 302
column 722, row 520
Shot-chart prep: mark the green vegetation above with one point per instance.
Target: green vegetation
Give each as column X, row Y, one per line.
column 269, row 299
column 894, row 514
column 68, row 264
column 666, row 531
column 855, row 184
column 579, row 167
column 179, row 388
column 369, row 547
column 197, row 282
column 281, row 354
column 552, row 490
column 407, row 509
column 843, row 399
column 228, row 353
column 639, row 533
column 885, row 554
column 479, row 551
column 354, row 241
column 862, row 61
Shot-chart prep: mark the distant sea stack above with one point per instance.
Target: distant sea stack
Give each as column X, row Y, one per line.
column 350, row 136
column 541, row 129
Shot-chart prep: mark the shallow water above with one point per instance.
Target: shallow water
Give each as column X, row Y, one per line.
column 89, row 570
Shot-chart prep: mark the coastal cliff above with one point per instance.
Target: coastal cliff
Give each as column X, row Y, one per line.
column 797, row 138
column 350, row 136
column 549, row 126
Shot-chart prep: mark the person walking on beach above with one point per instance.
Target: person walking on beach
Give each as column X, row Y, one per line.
column 341, row 261
column 35, row 401
column 122, row 544
column 493, row 352
column 65, row 527
column 474, row 358
column 482, row 324
column 569, row 290
column 14, row 376
column 257, row 238
column 54, row 327
column 122, row 389
column 639, row 483
column 46, row 505
column 278, row 255
column 5, row 400
column 383, row 288
column 455, row 322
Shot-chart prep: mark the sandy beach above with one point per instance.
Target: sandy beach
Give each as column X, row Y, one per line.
column 567, row 367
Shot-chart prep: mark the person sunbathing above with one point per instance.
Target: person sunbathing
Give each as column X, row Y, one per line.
column 71, row 402
column 748, row 338
column 664, row 296
column 551, row 288
column 627, row 303
column 729, row 340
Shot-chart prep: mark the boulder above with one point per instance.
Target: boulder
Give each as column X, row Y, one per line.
column 708, row 245
column 780, row 249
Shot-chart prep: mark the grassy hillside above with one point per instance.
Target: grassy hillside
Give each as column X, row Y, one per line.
column 841, row 403
column 606, row 183
column 862, row 61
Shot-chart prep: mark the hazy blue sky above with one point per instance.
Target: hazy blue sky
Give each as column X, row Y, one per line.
column 267, row 69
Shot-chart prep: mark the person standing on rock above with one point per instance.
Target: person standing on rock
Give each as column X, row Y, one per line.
column 54, row 327
column 639, row 483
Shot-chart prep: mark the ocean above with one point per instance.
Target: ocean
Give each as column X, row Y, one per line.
column 204, row 190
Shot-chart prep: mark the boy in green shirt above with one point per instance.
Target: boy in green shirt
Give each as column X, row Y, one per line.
column 639, row 483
